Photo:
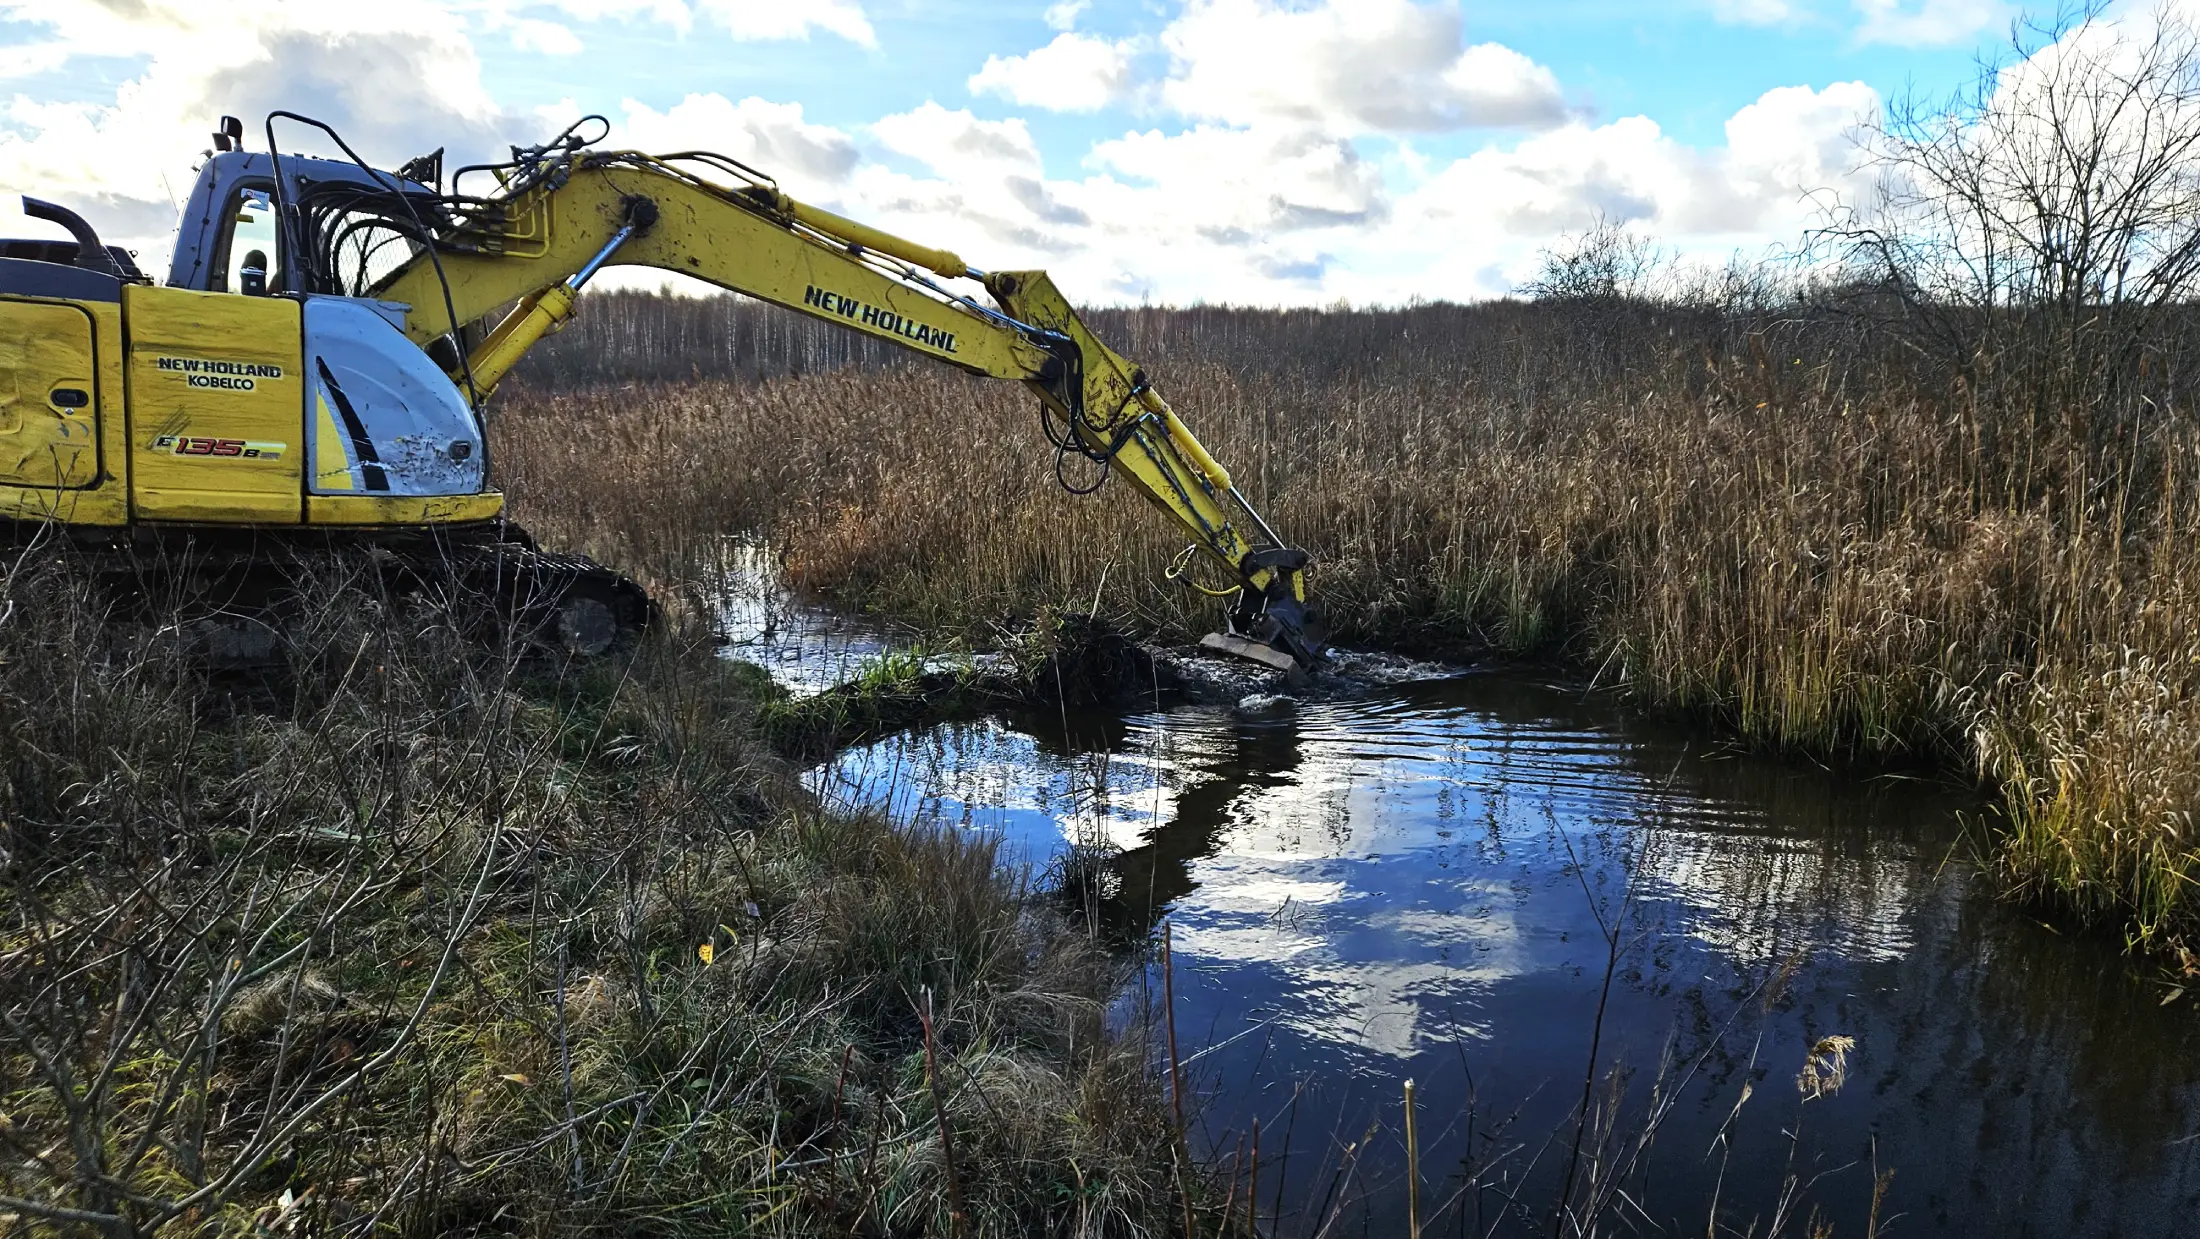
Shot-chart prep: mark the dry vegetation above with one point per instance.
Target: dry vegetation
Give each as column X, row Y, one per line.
column 1945, row 506
column 410, row 937
column 403, row 937
column 1722, row 517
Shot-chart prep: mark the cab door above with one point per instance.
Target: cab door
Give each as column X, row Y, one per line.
column 217, row 407
column 49, row 406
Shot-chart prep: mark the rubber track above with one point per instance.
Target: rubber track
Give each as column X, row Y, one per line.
column 527, row 584
column 512, row 588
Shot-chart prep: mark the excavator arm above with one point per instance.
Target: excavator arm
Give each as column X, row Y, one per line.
column 561, row 213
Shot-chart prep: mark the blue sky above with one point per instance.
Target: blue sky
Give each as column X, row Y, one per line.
column 1677, row 62
column 1264, row 151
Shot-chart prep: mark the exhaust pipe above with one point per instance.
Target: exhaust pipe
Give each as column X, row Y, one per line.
column 90, row 254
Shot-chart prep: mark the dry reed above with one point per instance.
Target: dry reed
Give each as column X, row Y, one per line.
column 1769, row 524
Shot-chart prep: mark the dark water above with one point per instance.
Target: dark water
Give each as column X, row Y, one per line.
column 1417, row 883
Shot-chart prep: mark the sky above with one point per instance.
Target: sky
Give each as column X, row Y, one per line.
column 1273, row 152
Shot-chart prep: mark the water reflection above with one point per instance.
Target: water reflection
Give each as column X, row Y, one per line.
column 804, row 646
column 1413, row 883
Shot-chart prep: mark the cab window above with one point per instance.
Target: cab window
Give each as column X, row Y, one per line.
column 251, row 250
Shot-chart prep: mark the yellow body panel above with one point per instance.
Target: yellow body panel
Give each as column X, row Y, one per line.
column 209, row 452
column 403, row 509
column 331, row 449
column 217, row 407
column 58, row 462
column 49, row 425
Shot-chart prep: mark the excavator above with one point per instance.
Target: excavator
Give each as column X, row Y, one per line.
column 316, row 369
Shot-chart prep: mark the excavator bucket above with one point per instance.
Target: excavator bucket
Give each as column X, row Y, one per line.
column 1272, row 624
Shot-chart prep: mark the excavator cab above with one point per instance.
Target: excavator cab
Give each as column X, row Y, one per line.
column 261, row 390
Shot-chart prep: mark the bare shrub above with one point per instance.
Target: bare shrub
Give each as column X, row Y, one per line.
column 2038, row 234
column 1607, row 262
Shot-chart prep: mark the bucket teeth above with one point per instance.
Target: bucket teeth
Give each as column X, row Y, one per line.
column 1247, row 648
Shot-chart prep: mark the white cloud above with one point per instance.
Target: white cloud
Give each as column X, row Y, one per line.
column 1074, row 73
column 1360, row 67
column 26, row 59
column 743, row 19
column 396, row 79
column 1238, row 184
column 1063, row 14
column 1928, row 23
column 1215, row 213
column 987, row 192
column 1790, row 143
column 790, row 19
column 548, row 38
column 1787, row 147
column 957, row 143
column 808, row 159
column 1755, row 12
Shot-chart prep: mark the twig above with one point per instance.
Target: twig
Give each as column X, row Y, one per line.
column 957, row 1219
column 60, row 1213
column 1176, row 1073
column 1413, row 1170
column 1252, row 1185
column 565, row 1071
column 1229, row 1198
column 840, row 1090
column 1290, row 1128
column 1344, row 1178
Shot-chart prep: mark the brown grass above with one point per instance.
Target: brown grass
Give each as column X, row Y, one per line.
column 407, row 937
column 1769, row 524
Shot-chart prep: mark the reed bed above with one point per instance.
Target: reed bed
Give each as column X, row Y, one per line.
column 1771, row 522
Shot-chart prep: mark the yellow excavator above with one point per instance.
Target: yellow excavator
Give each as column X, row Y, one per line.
column 316, row 368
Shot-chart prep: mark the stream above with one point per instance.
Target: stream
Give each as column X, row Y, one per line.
column 1479, row 879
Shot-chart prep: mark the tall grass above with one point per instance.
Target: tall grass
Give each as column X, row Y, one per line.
column 406, row 936
column 1779, row 524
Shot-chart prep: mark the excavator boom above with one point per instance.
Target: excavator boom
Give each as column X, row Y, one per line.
column 567, row 212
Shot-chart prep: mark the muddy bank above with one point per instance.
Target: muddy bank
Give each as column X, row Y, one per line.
column 1065, row 663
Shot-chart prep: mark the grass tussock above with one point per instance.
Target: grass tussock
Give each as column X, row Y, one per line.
column 406, row 938
column 1770, row 524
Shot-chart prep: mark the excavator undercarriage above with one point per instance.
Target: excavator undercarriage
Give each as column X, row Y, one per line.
column 233, row 599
